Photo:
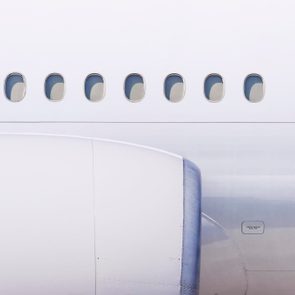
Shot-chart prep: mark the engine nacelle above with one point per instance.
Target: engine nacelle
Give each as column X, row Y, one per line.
column 80, row 216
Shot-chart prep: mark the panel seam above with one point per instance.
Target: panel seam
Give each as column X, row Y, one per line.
column 94, row 215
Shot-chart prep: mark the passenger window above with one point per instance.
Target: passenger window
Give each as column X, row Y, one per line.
column 174, row 88
column 254, row 88
column 15, row 87
column 94, row 87
column 54, row 87
column 134, row 87
column 214, row 88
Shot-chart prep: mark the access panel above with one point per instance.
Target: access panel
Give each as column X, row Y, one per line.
column 147, row 221
column 46, row 216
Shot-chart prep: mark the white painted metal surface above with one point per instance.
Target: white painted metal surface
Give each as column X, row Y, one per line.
column 192, row 38
column 46, row 213
column 139, row 220
column 85, row 216
column 246, row 175
column 247, row 167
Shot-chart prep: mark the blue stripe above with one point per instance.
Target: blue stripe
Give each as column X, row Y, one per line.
column 190, row 272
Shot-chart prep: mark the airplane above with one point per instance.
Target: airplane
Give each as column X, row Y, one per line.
column 147, row 147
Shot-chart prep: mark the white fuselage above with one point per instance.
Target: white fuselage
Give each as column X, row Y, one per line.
column 245, row 151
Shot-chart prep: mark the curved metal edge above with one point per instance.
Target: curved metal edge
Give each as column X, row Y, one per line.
column 191, row 248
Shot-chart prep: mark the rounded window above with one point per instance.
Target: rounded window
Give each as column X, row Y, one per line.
column 55, row 87
column 174, row 88
column 254, row 88
column 134, row 87
column 94, row 87
column 15, row 87
column 214, row 88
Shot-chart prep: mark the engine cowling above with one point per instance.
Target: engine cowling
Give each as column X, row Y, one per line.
column 83, row 216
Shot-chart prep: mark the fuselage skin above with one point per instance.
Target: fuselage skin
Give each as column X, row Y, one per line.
column 244, row 150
